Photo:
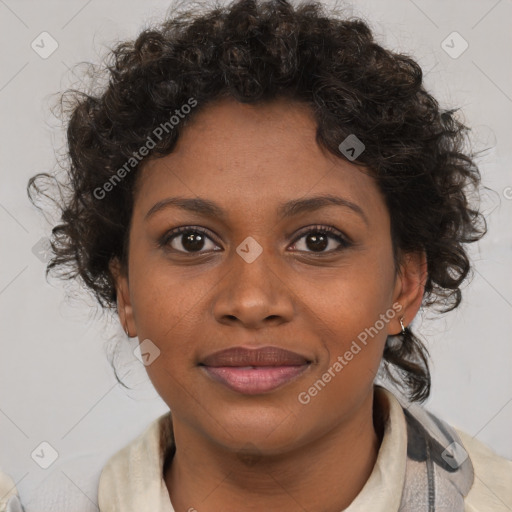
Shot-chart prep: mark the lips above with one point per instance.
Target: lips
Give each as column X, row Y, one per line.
column 265, row 356
column 254, row 371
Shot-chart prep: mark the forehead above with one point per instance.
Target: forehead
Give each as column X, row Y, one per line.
column 253, row 155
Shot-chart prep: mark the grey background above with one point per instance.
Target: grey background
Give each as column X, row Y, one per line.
column 56, row 383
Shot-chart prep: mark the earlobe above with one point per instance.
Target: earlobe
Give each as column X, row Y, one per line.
column 121, row 312
column 124, row 307
column 410, row 287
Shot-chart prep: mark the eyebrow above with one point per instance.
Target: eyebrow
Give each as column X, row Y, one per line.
column 285, row 210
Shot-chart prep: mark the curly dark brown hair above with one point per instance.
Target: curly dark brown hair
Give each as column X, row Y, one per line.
column 255, row 52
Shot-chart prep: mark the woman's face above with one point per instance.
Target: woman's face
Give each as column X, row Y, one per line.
column 262, row 273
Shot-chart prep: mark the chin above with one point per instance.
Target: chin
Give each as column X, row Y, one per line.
column 261, row 432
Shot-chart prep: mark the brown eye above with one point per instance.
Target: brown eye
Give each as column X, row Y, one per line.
column 187, row 240
column 318, row 239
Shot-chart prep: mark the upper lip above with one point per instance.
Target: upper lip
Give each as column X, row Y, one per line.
column 264, row 356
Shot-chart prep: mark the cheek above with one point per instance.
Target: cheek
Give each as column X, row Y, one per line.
column 354, row 297
column 166, row 308
column 353, row 311
column 353, row 343
column 165, row 299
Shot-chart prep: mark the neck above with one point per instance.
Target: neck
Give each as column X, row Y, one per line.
column 326, row 474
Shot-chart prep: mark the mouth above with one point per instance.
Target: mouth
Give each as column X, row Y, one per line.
column 254, row 371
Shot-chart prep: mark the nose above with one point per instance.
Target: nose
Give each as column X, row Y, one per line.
column 253, row 294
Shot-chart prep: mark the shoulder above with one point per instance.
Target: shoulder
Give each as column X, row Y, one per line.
column 465, row 470
column 132, row 472
column 8, row 493
column 492, row 486
column 124, row 465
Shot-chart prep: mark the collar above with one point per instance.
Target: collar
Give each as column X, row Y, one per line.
column 132, row 480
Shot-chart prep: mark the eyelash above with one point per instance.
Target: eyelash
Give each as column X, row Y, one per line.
column 169, row 236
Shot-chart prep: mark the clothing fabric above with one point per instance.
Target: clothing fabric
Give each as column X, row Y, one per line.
column 423, row 464
column 9, row 499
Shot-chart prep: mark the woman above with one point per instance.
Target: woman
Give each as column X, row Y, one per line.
column 267, row 197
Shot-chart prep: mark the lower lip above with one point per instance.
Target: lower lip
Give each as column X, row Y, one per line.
column 252, row 381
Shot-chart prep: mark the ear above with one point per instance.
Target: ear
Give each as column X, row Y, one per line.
column 410, row 287
column 124, row 306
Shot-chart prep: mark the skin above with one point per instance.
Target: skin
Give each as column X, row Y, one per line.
column 249, row 159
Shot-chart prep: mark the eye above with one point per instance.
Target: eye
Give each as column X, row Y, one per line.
column 318, row 238
column 194, row 239
column 191, row 239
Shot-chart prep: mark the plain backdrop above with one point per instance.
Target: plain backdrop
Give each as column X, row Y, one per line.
column 56, row 383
